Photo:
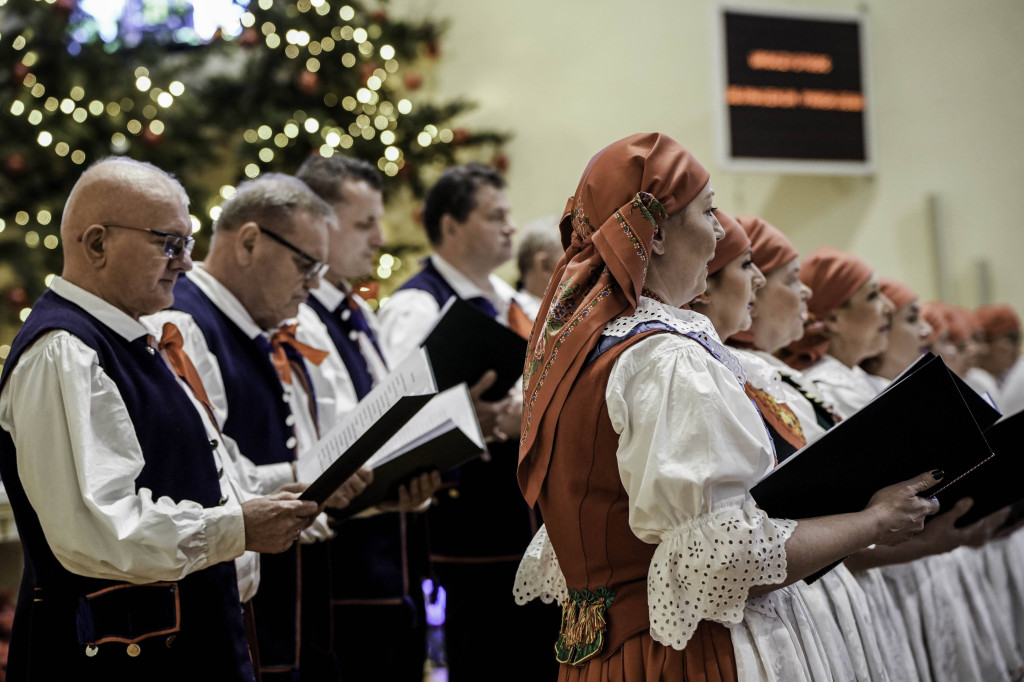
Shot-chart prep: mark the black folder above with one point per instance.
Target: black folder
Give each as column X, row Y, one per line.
column 449, row 450
column 465, row 343
column 365, row 446
column 999, row 481
column 919, row 423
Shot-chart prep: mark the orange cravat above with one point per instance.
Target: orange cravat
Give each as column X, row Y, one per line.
column 285, row 336
column 518, row 321
column 172, row 344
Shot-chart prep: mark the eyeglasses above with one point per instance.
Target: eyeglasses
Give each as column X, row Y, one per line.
column 174, row 244
column 312, row 268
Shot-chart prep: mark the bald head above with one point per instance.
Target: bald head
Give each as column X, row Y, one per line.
column 116, row 190
column 107, row 234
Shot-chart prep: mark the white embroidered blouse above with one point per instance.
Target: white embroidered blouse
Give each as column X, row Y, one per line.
column 691, row 445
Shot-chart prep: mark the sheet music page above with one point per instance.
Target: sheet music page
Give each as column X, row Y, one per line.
column 413, row 377
column 449, row 409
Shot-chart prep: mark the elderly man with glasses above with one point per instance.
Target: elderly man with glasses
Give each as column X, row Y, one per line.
column 236, row 310
column 124, row 490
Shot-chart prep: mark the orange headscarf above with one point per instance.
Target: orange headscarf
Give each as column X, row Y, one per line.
column 833, row 276
column 771, row 250
column 626, row 191
column 732, row 245
column 934, row 313
column 960, row 322
column 896, row 291
column 997, row 320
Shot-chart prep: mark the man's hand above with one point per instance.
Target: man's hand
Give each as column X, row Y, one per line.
column 489, row 414
column 273, row 523
column 351, row 488
column 414, row 497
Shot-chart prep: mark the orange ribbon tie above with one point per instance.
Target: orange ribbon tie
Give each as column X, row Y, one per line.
column 172, row 343
column 285, row 336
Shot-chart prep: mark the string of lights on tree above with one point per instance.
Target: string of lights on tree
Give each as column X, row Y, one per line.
column 296, row 77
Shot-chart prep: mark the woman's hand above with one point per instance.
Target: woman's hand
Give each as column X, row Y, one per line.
column 901, row 512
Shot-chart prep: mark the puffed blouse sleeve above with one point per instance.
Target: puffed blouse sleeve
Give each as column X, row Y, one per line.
column 691, row 445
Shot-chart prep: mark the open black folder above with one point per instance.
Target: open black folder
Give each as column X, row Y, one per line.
column 921, row 422
column 441, row 436
column 374, row 421
column 465, row 343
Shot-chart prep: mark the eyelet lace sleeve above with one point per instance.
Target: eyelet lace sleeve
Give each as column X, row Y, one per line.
column 539, row 575
column 704, row 570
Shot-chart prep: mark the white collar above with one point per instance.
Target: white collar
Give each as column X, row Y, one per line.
column 106, row 314
column 762, row 374
column 329, row 295
column 687, row 322
column 465, row 288
column 225, row 301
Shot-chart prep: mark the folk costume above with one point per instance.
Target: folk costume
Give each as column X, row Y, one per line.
column 267, row 400
column 479, row 526
column 99, row 426
column 836, row 605
column 378, row 562
column 652, row 540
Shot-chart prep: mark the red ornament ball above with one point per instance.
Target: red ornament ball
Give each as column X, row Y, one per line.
column 64, row 8
column 461, row 136
column 366, row 70
column 412, row 80
column 500, row 162
column 379, row 16
column 18, row 73
column 250, row 38
column 151, row 139
column 17, row 298
column 308, row 82
column 15, row 164
column 432, row 49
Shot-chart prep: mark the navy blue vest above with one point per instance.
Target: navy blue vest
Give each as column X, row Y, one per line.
column 431, row 281
column 258, row 420
column 483, row 500
column 50, row 615
column 348, row 348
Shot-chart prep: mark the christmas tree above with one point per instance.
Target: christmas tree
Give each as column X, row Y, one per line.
column 294, row 77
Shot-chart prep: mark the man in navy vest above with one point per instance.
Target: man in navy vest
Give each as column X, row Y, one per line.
column 379, row 561
column 122, row 486
column 236, row 308
column 480, row 526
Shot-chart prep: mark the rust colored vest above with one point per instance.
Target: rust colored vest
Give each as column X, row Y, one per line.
column 586, row 509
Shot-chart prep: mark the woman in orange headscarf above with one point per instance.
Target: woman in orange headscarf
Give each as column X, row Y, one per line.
column 849, row 320
column 916, row 588
column 998, row 332
column 641, row 446
column 908, row 334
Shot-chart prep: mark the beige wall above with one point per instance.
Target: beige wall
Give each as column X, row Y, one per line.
column 947, row 88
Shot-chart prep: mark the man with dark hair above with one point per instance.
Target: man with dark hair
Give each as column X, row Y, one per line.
column 122, row 486
column 269, row 249
column 379, row 561
column 480, row 526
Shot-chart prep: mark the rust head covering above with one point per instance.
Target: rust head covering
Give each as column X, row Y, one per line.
column 934, row 313
column 960, row 322
column 896, row 291
column 997, row 320
column 833, row 276
column 771, row 248
column 626, row 191
column 734, row 244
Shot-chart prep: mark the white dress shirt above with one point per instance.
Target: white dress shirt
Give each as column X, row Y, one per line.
column 78, row 459
column 341, row 398
column 410, row 314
